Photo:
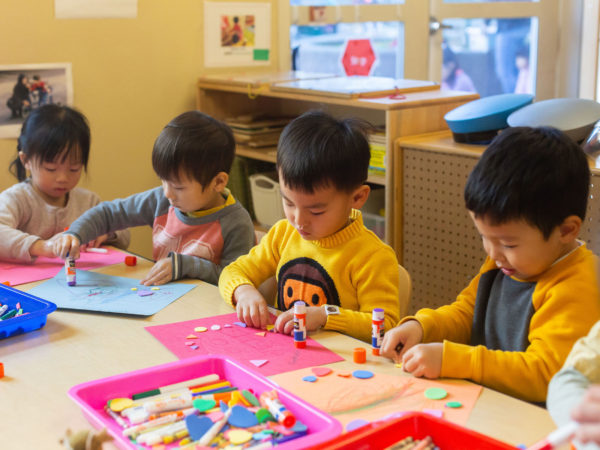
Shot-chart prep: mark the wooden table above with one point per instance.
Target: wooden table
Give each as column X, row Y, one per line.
column 74, row 347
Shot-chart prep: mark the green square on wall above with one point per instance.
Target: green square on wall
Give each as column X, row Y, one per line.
column 261, row 54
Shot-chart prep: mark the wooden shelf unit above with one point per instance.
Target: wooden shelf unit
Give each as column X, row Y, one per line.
column 409, row 114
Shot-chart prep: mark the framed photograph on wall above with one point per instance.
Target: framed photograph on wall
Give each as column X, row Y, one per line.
column 26, row 87
column 237, row 34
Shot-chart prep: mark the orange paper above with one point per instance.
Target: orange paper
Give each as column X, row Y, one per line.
column 348, row 399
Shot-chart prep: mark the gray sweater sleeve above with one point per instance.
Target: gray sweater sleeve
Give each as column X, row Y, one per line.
column 238, row 239
column 106, row 217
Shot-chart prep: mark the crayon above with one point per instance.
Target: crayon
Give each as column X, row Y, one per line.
column 196, row 382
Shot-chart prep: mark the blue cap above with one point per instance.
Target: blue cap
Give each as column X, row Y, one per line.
column 574, row 116
column 479, row 121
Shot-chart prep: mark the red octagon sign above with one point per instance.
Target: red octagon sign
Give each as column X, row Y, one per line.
column 358, row 57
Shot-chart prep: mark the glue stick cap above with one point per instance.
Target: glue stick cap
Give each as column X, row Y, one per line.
column 299, row 308
column 287, row 419
column 378, row 314
column 359, row 355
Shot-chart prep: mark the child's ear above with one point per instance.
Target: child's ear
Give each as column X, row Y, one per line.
column 24, row 160
column 569, row 228
column 220, row 181
column 360, row 196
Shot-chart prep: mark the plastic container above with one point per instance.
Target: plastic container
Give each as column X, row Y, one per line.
column 266, row 198
column 375, row 223
column 93, row 395
column 446, row 435
column 37, row 309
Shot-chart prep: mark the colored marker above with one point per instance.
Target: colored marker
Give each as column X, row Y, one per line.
column 270, row 400
column 377, row 330
column 116, row 417
column 96, row 250
column 158, row 422
column 156, row 436
column 300, row 325
column 71, row 271
column 196, row 382
column 9, row 314
column 556, row 438
column 3, row 309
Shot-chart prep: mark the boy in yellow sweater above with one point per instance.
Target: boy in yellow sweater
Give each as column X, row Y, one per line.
column 321, row 254
column 513, row 326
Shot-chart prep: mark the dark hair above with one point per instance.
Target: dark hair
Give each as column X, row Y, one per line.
column 49, row 131
column 21, row 77
column 193, row 144
column 317, row 150
column 536, row 174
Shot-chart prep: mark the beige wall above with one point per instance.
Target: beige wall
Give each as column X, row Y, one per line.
column 130, row 77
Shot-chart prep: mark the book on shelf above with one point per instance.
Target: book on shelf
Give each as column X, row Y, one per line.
column 257, row 130
column 354, row 86
column 378, row 146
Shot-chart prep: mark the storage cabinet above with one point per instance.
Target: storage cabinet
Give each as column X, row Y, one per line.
column 403, row 115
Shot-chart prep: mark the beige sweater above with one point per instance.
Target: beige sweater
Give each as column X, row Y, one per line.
column 25, row 217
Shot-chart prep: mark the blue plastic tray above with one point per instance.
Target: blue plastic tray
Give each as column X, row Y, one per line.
column 37, row 309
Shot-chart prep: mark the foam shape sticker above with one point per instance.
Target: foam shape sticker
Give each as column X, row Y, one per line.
column 362, row 374
column 250, row 397
column 240, row 324
column 310, row 378
column 258, row 362
column 434, row 412
column 215, row 327
column 321, row 371
column 242, row 418
column 202, row 404
column 197, row 426
column 261, row 333
column 356, row 423
column 191, row 336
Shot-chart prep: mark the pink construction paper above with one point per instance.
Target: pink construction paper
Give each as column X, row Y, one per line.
column 242, row 344
column 44, row 268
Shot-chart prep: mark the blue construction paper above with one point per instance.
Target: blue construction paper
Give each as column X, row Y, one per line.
column 107, row 293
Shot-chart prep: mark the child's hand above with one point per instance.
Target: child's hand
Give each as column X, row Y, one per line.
column 315, row 319
column 424, row 360
column 161, row 273
column 42, row 248
column 66, row 244
column 95, row 243
column 400, row 339
column 251, row 307
column 588, row 415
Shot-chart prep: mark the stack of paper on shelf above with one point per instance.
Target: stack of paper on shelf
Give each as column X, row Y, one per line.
column 257, row 130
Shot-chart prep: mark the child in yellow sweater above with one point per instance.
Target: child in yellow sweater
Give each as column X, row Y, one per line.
column 513, row 326
column 321, row 254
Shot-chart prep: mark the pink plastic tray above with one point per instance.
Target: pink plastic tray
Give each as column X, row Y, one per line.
column 93, row 395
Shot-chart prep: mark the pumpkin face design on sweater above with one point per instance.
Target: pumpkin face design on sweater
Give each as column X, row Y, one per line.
column 304, row 279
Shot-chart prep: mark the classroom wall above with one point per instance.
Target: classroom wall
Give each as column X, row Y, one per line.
column 130, row 77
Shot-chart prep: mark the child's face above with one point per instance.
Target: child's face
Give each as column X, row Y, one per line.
column 519, row 249
column 54, row 180
column 188, row 194
column 320, row 214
